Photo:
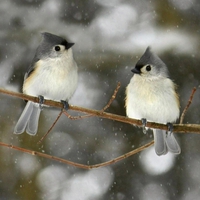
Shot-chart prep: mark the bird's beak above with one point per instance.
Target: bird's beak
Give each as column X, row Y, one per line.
column 69, row 45
column 136, row 71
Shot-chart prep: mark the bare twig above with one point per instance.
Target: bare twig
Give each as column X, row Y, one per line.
column 112, row 98
column 188, row 104
column 135, row 151
column 58, row 117
column 180, row 128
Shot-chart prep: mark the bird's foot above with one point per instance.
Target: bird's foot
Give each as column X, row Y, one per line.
column 41, row 101
column 144, row 123
column 170, row 128
column 65, row 104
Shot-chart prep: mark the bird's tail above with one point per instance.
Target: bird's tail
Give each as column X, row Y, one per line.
column 24, row 118
column 29, row 118
column 32, row 125
column 164, row 142
column 172, row 143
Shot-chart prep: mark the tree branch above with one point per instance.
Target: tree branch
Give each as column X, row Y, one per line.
column 181, row 128
column 115, row 160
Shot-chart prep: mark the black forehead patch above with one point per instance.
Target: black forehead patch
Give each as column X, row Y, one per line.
column 64, row 43
column 139, row 67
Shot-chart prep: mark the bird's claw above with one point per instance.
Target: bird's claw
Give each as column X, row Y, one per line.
column 41, row 101
column 144, row 122
column 170, row 128
column 65, row 105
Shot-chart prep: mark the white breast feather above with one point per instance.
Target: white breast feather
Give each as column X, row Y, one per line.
column 154, row 100
column 55, row 79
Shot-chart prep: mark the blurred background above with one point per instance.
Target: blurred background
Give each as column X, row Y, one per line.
column 109, row 38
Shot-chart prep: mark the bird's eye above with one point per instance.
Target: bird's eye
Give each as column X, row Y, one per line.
column 148, row 68
column 57, row 48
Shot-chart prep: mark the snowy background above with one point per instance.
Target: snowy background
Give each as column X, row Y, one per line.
column 109, row 38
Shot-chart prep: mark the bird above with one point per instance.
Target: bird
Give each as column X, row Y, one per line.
column 151, row 96
column 53, row 74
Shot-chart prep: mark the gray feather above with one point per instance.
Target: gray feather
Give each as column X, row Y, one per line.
column 24, row 118
column 32, row 125
column 48, row 42
column 159, row 139
column 172, row 144
column 164, row 142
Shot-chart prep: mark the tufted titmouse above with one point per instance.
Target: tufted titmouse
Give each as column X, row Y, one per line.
column 52, row 75
column 151, row 95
